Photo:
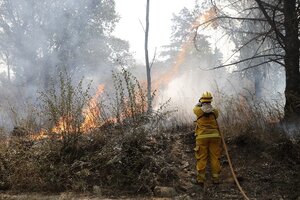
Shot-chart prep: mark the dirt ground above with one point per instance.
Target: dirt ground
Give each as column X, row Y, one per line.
column 266, row 171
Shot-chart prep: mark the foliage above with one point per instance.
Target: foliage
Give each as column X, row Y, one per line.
column 194, row 45
column 130, row 99
column 63, row 103
column 269, row 31
column 246, row 115
column 123, row 157
column 37, row 36
column 127, row 104
column 126, row 153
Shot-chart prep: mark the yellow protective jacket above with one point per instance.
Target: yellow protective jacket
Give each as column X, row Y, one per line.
column 206, row 123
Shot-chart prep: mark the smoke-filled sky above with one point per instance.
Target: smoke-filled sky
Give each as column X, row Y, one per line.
column 184, row 90
column 77, row 35
column 132, row 21
column 132, row 13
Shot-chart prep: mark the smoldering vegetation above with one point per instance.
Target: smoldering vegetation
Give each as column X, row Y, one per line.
column 127, row 150
column 40, row 38
column 74, row 103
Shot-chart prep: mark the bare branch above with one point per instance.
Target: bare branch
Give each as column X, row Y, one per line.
column 260, row 45
column 244, row 45
column 253, row 66
column 246, row 59
column 229, row 17
column 142, row 25
column 219, row 10
column 273, row 19
column 272, row 7
column 270, row 21
column 153, row 59
column 277, row 61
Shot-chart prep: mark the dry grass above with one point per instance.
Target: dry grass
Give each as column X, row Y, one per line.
column 129, row 153
column 126, row 151
column 246, row 115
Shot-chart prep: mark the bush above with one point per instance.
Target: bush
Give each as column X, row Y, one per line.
column 63, row 103
column 123, row 152
column 247, row 115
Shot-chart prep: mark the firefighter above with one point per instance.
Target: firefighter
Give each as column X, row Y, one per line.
column 208, row 139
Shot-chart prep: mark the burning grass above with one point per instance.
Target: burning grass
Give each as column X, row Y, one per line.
column 124, row 148
column 90, row 142
column 127, row 159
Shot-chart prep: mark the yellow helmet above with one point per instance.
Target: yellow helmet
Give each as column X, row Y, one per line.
column 206, row 97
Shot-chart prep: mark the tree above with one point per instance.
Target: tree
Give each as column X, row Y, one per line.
column 40, row 36
column 279, row 24
column 148, row 67
column 240, row 34
column 188, row 52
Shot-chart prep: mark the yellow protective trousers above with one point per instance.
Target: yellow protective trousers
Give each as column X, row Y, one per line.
column 208, row 148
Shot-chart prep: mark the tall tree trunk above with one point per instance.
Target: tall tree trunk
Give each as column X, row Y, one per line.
column 148, row 70
column 291, row 59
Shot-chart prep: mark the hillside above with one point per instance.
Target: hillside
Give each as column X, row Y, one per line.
column 267, row 169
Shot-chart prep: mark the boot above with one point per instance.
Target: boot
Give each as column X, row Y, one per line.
column 215, row 179
column 200, row 178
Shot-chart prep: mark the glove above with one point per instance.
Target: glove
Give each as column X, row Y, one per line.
column 199, row 104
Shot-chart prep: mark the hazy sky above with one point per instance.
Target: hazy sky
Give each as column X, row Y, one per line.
column 133, row 13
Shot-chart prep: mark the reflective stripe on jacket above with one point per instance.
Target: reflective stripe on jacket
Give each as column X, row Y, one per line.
column 206, row 124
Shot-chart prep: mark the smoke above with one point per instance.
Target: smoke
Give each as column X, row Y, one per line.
column 41, row 38
column 186, row 90
column 193, row 78
column 213, row 47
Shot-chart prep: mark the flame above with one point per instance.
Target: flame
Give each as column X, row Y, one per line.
column 91, row 114
column 92, row 111
column 41, row 135
column 180, row 58
column 129, row 109
column 209, row 15
column 64, row 124
column 185, row 47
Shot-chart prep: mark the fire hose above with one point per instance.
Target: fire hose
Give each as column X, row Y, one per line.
column 231, row 168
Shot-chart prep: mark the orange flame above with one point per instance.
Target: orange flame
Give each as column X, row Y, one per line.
column 209, row 15
column 180, row 58
column 64, row 125
column 41, row 135
column 92, row 111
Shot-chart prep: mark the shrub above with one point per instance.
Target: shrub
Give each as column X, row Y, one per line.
column 62, row 104
column 123, row 152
